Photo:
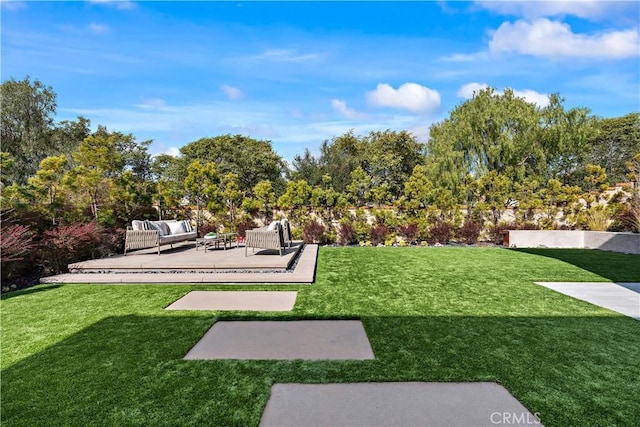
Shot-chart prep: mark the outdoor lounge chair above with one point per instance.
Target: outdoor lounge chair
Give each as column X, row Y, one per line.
column 271, row 237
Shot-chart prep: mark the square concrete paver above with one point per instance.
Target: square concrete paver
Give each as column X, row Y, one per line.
column 284, row 340
column 236, row 300
column 394, row 404
column 621, row 297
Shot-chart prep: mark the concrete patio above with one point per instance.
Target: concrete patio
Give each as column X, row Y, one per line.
column 185, row 264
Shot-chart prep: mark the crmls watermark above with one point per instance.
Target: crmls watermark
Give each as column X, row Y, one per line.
column 515, row 418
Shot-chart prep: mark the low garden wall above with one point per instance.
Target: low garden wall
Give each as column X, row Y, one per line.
column 603, row 240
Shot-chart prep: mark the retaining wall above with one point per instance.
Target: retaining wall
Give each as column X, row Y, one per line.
column 606, row 241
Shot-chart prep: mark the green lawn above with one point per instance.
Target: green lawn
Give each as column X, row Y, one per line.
column 110, row 355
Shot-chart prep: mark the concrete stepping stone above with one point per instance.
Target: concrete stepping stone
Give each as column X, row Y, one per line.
column 621, row 297
column 236, row 300
column 395, row 404
column 284, row 340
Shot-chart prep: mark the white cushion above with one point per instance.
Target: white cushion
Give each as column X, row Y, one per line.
column 273, row 225
column 175, row 227
column 137, row 225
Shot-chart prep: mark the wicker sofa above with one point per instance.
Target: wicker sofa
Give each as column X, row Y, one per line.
column 151, row 234
column 275, row 236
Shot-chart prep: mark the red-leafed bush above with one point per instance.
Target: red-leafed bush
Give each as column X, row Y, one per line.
column 69, row 243
column 469, row 232
column 16, row 242
column 244, row 226
column 313, row 232
column 378, row 234
column 347, row 234
column 440, row 232
column 207, row 228
column 409, row 232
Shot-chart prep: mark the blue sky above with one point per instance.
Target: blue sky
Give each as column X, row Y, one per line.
column 298, row 73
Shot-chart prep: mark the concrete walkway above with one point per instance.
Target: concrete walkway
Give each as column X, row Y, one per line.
column 284, row 340
column 233, row 300
column 395, row 404
column 621, row 297
column 304, row 272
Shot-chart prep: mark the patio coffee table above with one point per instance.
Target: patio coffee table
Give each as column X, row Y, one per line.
column 209, row 241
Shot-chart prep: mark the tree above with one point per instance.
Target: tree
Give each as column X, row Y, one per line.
column 169, row 173
column 263, row 201
column 360, row 188
column 340, row 157
column 295, row 198
column 389, row 157
column 97, row 163
column 26, row 125
column 252, row 160
column 418, row 190
column 564, row 136
column 67, row 135
column 47, row 182
column 231, row 194
column 306, row 167
column 201, row 185
column 617, row 141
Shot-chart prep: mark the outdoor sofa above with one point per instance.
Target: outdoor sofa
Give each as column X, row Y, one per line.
column 276, row 235
column 151, row 234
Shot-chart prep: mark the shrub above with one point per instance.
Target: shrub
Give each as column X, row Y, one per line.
column 597, row 218
column 16, row 241
column 69, row 243
column 243, row 226
column 16, row 244
column 469, row 232
column 440, row 232
column 378, row 234
column 347, row 234
column 313, row 232
column 112, row 242
column 528, row 225
column 409, row 232
column 207, row 228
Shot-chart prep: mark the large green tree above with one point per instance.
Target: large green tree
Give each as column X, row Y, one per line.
column 616, row 142
column 26, row 126
column 251, row 159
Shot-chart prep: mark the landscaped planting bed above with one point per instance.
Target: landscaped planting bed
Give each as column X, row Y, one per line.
column 111, row 355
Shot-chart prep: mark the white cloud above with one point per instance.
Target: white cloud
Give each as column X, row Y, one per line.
column 285, row 55
column 409, row 96
column 118, row 4
column 13, row 5
column 153, row 103
column 233, row 93
column 543, row 37
column 594, row 9
column 465, row 57
column 421, row 133
column 98, row 28
column 348, row 113
column 468, row 90
column 533, row 97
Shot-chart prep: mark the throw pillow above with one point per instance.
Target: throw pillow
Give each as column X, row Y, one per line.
column 273, row 225
column 187, row 226
column 175, row 227
column 157, row 226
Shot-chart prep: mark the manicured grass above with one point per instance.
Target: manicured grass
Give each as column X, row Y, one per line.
column 110, row 355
